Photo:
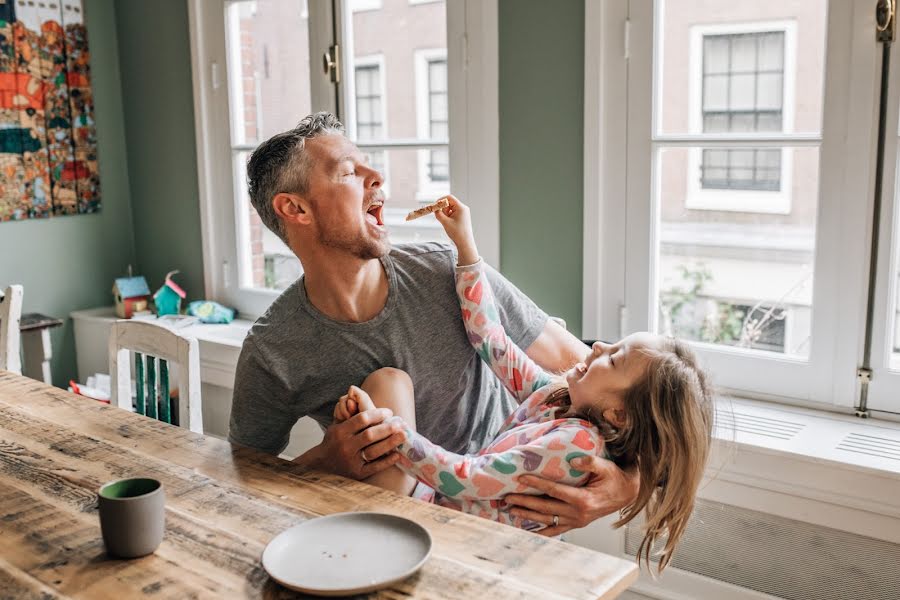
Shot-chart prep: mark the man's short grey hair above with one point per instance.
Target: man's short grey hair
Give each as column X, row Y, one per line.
column 280, row 164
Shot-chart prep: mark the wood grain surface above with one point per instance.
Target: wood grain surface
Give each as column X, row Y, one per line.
column 223, row 505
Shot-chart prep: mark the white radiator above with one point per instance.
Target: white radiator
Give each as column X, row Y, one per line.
column 782, row 557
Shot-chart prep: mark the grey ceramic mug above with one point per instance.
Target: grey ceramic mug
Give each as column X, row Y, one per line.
column 132, row 516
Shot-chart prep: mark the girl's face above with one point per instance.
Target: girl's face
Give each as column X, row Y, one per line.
column 597, row 386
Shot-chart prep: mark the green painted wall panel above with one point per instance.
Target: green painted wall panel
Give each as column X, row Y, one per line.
column 155, row 58
column 541, row 47
column 69, row 263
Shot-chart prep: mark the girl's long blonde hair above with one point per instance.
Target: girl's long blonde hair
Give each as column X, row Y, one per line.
column 668, row 434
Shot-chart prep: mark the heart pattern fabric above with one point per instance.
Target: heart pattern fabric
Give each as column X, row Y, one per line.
column 538, row 439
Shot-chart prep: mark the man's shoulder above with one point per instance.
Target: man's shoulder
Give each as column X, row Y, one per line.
column 422, row 250
column 428, row 254
column 284, row 310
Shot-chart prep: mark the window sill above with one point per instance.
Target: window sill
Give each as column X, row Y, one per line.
column 837, row 459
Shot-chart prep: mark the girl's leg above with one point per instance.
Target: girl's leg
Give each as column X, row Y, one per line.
column 392, row 388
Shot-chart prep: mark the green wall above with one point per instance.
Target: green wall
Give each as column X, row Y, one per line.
column 69, row 263
column 541, row 47
column 155, row 59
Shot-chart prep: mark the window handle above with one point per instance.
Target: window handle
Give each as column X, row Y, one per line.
column 331, row 63
column 885, row 14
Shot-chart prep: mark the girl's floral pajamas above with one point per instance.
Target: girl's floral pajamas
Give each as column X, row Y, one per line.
column 537, row 439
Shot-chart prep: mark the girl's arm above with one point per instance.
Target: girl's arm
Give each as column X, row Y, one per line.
column 493, row 475
column 516, row 370
column 521, row 375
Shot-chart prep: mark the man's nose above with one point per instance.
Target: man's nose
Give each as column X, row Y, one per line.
column 376, row 180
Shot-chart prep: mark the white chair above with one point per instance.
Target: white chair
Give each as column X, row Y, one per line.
column 160, row 346
column 10, row 316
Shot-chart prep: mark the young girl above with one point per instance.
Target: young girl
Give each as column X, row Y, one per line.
column 642, row 401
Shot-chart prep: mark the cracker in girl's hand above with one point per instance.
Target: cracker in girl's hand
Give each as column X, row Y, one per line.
column 427, row 210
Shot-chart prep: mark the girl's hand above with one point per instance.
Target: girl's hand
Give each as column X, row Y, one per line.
column 457, row 223
column 354, row 401
column 345, row 409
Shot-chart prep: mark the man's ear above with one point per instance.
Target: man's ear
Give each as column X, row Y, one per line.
column 292, row 208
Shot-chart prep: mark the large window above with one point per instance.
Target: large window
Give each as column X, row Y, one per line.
column 747, row 167
column 261, row 65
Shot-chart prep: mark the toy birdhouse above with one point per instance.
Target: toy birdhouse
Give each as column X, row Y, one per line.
column 132, row 296
column 168, row 298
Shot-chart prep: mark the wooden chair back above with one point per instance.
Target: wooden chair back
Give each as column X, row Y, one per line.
column 155, row 347
column 10, row 317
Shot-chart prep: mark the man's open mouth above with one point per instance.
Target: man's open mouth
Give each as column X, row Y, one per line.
column 373, row 213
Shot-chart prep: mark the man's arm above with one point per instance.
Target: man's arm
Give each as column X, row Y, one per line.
column 262, row 418
column 610, row 489
column 357, row 448
column 555, row 349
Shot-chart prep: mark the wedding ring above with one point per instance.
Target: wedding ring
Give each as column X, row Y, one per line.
column 555, row 520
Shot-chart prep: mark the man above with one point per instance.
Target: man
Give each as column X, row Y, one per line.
column 362, row 305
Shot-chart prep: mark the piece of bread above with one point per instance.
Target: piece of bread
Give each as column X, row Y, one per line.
column 427, row 210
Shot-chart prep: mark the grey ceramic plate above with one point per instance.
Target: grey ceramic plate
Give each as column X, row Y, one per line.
column 347, row 553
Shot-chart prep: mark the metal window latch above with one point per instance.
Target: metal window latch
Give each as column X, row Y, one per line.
column 885, row 16
column 331, row 63
column 864, row 374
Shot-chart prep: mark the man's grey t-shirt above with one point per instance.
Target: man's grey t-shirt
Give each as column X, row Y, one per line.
column 297, row 362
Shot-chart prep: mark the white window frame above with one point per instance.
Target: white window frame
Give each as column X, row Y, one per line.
column 884, row 388
column 472, row 73
column 428, row 190
column 365, row 5
column 754, row 201
column 619, row 295
column 368, row 61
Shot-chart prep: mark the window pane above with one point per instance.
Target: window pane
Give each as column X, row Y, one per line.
column 437, row 75
column 742, row 90
column 771, row 52
column 264, row 260
column 715, row 122
column 439, row 107
column 268, row 67
column 743, row 53
column 735, row 267
column 769, row 91
column 715, row 92
column 716, row 57
column 413, row 60
column 711, row 46
column 406, row 99
column 269, row 91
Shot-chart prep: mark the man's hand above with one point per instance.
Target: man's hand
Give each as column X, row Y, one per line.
column 358, row 447
column 609, row 490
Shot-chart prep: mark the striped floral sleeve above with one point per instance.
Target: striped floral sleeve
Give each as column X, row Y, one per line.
column 521, row 375
column 493, row 473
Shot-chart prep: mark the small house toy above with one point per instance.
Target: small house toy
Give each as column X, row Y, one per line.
column 168, row 298
column 132, row 296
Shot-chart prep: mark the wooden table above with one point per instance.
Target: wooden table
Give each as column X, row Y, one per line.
column 223, row 506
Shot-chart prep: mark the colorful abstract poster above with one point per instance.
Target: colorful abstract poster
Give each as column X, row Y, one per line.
column 48, row 142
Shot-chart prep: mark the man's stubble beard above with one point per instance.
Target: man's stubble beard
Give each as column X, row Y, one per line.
column 360, row 247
